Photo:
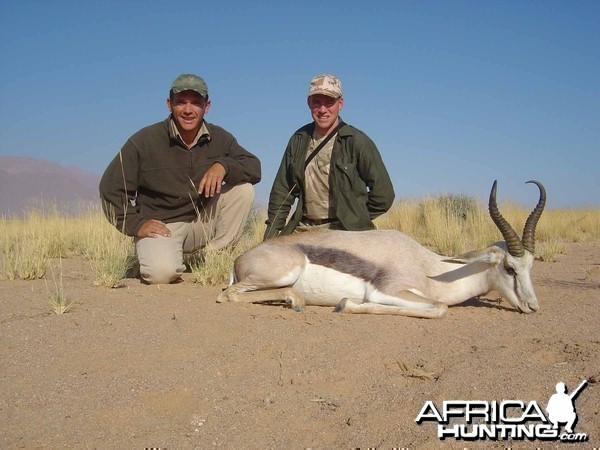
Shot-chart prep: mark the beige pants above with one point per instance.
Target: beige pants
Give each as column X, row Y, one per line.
column 219, row 224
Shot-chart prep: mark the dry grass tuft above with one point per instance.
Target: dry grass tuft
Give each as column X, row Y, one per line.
column 58, row 301
column 214, row 266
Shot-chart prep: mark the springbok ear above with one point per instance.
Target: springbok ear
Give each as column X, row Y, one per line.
column 490, row 255
column 494, row 256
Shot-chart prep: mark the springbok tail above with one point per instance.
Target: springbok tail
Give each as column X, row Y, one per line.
column 232, row 278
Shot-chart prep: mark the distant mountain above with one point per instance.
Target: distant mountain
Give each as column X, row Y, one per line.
column 27, row 183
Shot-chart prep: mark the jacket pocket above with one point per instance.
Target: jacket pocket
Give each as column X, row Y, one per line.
column 349, row 177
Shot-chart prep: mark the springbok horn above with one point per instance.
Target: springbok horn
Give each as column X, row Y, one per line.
column 532, row 220
column 513, row 243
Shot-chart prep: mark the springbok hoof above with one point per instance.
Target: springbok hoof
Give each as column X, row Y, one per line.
column 294, row 304
column 340, row 306
column 442, row 311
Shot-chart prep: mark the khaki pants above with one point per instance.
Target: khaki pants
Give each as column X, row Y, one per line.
column 219, row 224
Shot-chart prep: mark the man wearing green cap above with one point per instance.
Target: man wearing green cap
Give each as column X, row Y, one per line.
column 332, row 169
column 180, row 185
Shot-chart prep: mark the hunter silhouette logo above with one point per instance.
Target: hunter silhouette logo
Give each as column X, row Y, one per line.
column 560, row 406
column 508, row 419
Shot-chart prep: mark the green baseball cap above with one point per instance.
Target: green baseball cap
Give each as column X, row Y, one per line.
column 189, row 82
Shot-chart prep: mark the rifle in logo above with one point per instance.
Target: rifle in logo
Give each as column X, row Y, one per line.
column 560, row 406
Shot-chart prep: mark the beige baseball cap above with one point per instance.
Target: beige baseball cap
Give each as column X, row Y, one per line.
column 327, row 85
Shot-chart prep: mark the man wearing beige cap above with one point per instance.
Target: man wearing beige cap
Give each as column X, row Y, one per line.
column 332, row 169
column 180, row 185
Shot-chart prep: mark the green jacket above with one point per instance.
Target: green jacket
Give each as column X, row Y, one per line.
column 155, row 176
column 358, row 181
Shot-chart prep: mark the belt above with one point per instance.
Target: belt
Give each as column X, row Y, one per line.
column 308, row 221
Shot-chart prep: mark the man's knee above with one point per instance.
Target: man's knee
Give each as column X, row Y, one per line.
column 161, row 258
column 161, row 272
column 243, row 193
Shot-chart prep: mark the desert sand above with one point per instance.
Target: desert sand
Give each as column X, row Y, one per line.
column 166, row 366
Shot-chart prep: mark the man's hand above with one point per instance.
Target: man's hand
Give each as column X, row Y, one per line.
column 211, row 182
column 153, row 228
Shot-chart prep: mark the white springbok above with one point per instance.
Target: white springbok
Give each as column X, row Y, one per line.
column 386, row 271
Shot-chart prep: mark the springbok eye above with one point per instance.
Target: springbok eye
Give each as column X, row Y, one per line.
column 510, row 271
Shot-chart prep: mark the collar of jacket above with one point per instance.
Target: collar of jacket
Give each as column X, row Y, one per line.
column 176, row 137
column 309, row 128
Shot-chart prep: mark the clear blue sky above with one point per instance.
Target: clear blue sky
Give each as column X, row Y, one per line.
column 454, row 93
